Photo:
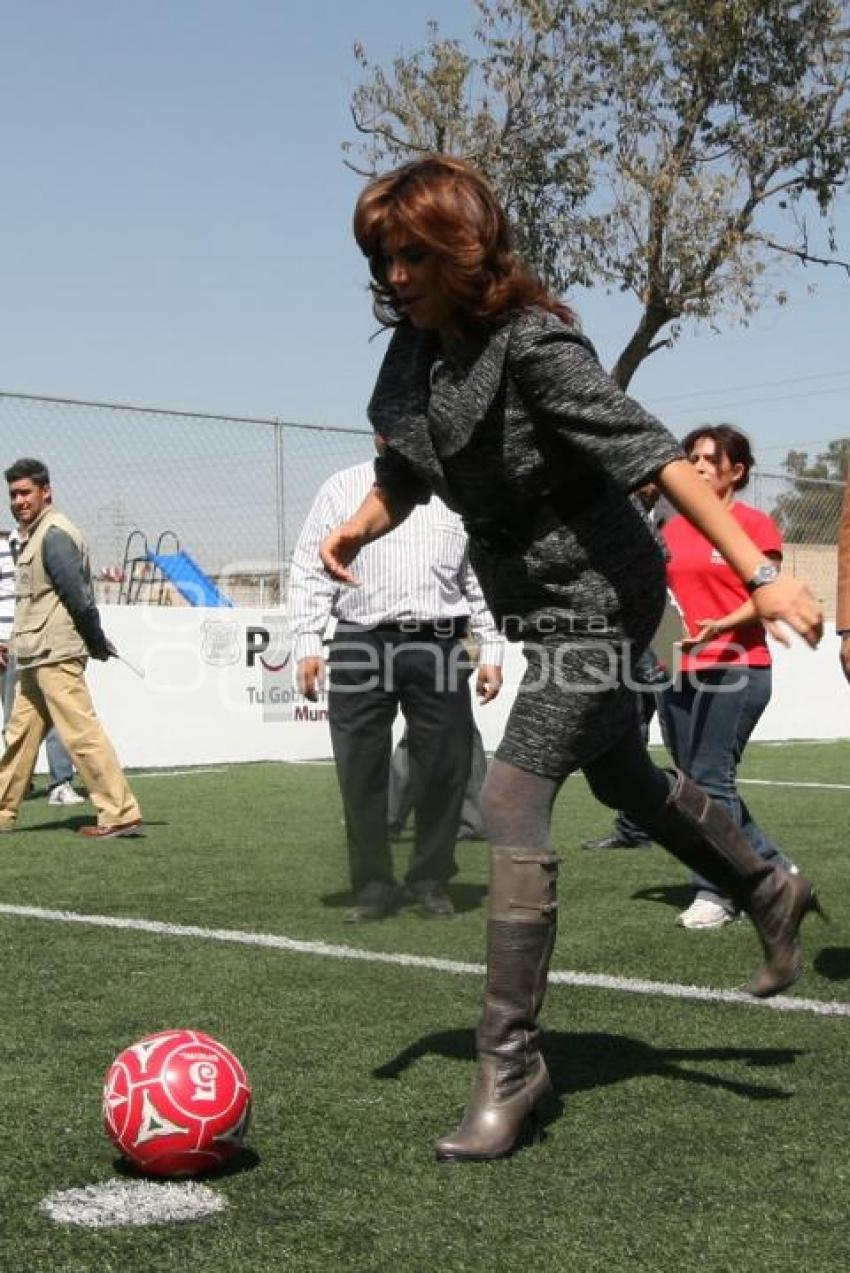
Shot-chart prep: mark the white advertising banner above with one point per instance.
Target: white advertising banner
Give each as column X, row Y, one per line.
column 218, row 687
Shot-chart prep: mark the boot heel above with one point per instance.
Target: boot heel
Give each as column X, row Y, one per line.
column 778, row 907
column 531, row 1132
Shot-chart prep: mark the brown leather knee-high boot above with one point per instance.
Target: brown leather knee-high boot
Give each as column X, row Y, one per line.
column 511, row 1076
column 699, row 833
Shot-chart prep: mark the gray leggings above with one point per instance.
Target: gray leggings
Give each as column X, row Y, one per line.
column 517, row 805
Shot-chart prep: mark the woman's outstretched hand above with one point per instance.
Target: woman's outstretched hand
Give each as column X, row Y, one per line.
column 338, row 550
column 708, row 629
column 376, row 516
column 790, row 601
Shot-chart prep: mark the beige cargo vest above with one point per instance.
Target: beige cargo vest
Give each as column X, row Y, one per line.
column 44, row 631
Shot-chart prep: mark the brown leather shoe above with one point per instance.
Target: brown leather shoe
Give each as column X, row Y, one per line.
column 111, row 833
column 375, row 901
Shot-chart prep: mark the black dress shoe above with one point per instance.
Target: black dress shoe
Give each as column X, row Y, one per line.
column 615, row 842
column 430, row 899
column 375, row 901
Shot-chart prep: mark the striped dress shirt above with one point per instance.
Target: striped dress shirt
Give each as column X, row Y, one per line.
column 420, row 571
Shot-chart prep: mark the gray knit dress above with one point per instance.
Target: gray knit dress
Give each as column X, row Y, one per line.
column 534, row 445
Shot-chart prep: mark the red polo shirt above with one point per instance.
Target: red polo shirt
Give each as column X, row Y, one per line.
column 706, row 587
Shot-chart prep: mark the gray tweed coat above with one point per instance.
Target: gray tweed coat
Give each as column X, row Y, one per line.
column 538, row 450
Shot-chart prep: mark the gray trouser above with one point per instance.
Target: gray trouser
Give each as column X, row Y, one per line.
column 401, row 796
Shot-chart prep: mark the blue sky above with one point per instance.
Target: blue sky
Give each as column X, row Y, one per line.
column 175, row 226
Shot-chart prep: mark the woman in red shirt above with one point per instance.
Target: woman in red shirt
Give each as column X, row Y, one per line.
column 725, row 686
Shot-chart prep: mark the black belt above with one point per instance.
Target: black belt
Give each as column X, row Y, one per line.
column 429, row 630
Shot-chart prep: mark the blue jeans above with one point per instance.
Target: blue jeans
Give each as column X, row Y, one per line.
column 708, row 720
column 58, row 760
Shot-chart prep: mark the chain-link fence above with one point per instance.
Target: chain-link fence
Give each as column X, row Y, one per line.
column 234, row 491
column 807, row 511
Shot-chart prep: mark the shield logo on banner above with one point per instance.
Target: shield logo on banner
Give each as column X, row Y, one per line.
column 220, row 642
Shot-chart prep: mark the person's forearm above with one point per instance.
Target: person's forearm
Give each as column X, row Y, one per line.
column 742, row 617
column 482, row 626
column 310, row 601
column 377, row 516
column 690, row 496
column 63, row 564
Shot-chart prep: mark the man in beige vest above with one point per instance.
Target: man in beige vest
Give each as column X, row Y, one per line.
column 842, row 607
column 56, row 630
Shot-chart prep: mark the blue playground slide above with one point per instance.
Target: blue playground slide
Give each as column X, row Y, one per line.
column 189, row 580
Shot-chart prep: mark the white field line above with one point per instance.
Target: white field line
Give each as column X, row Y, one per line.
column 221, row 769
column 582, row 980
column 753, row 782
column 779, row 782
column 180, row 773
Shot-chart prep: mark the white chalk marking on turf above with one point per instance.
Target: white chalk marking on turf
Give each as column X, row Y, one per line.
column 780, row 782
column 582, row 980
column 132, row 1202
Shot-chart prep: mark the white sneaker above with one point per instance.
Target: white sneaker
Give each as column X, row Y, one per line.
column 64, row 793
column 703, row 913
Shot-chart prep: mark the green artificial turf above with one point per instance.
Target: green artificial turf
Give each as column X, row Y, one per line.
column 680, row 1135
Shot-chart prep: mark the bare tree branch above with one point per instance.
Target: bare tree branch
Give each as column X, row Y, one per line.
column 808, row 258
column 381, row 130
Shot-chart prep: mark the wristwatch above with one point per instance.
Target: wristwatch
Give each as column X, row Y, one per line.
column 766, row 573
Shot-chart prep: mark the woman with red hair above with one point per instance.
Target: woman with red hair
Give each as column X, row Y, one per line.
column 490, row 396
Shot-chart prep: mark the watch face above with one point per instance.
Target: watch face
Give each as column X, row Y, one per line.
column 764, row 574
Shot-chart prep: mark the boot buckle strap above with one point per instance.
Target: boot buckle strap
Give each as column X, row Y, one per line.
column 545, row 908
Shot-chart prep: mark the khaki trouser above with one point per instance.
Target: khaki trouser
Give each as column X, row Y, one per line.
column 56, row 693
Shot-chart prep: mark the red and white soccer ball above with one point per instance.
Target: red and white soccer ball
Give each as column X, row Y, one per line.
column 176, row 1103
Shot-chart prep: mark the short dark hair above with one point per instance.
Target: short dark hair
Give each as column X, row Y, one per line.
column 729, row 443
column 36, row 470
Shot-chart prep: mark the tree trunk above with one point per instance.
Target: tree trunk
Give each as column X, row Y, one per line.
column 640, row 346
